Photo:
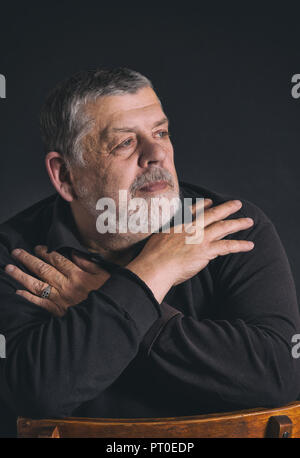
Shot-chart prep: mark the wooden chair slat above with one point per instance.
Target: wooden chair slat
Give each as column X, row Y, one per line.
column 280, row 422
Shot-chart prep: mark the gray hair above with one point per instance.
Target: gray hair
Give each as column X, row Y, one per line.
column 63, row 120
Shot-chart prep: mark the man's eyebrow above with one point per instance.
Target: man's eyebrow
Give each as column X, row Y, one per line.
column 108, row 130
column 162, row 121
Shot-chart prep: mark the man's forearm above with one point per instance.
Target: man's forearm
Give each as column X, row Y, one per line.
column 55, row 364
column 242, row 357
column 221, row 364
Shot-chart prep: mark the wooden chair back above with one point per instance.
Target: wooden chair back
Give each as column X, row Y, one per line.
column 280, row 422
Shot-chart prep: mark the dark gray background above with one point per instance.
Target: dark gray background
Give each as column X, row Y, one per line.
column 224, row 80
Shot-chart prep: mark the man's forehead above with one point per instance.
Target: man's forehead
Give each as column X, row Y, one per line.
column 148, row 116
column 128, row 110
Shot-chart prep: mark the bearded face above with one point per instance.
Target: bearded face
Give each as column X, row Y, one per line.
column 150, row 203
column 128, row 150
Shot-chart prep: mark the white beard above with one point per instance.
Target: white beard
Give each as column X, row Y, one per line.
column 136, row 215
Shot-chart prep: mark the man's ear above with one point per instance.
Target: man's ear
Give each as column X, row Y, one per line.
column 59, row 175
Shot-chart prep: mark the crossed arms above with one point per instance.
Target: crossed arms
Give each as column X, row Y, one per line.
column 67, row 350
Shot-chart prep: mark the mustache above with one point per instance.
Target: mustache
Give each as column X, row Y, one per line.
column 151, row 176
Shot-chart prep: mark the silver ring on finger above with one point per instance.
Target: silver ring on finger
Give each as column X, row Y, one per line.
column 46, row 292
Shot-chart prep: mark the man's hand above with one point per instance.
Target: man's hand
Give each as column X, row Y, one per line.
column 71, row 282
column 166, row 259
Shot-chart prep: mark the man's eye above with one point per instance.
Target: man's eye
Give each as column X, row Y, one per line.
column 164, row 133
column 129, row 141
column 126, row 143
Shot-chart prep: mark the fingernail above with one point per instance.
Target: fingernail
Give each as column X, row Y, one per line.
column 251, row 244
column 16, row 252
column 9, row 268
column 238, row 203
column 40, row 247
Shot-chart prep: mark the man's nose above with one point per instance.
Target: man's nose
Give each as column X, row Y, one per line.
column 151, row 152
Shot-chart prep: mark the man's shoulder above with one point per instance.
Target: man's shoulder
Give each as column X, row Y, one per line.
column 249, row 209
column 27, row 225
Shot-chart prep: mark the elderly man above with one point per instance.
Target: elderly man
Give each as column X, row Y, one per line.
column 138, row 324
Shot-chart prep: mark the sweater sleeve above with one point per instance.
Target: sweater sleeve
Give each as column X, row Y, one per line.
column 242, row 357
column 54, row 364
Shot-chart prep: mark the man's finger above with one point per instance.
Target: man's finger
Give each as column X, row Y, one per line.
column 221, row 229
column 57, row 260
column 33, row 284
column 221, row 211
column 41, row 302
column 223, row 247
column 200, row 204
column 85, row 264
column 41, row 269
